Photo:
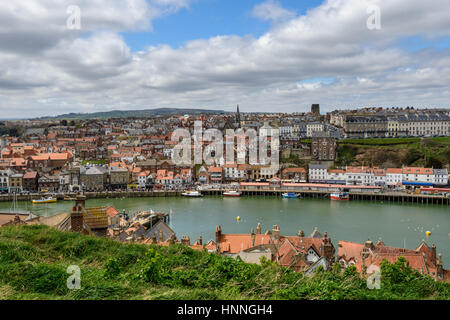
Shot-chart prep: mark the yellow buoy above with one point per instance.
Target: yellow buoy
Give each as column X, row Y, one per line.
column 238, row 218
column 428, row 233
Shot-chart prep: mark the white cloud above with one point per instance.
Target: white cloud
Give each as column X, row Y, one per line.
column 271, row 10
column 46, row 69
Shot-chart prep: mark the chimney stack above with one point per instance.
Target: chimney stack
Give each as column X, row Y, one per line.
column 160, row 236
column 439, row 268
column 186, row 240
column 218, row 234
column 369, row 244
column 433, row 252
column 76, row 219
column 276, row 232
column 200, row 240
column 328, row 249
column 80, row 201
column 258, row 228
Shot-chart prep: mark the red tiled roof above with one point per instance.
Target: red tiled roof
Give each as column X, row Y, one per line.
column 111, row 211
column 30, row 175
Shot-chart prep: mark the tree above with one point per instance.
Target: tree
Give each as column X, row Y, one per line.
column 433, row 162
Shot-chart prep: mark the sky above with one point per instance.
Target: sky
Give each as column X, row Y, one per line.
column 61, row 56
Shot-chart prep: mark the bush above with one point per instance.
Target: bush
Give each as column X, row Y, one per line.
column 152, row 264
column 112, row 269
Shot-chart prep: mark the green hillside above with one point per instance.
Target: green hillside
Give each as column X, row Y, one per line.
column 395, row 152
column 34, row 260
column 130, row 113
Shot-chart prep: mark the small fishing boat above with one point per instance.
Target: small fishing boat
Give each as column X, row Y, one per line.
column 44, row 200
column 290, row 195
column 232, row 193
column 192, row 194
column 341, row 196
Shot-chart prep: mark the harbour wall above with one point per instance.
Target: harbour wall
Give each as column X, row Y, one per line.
column 394, row 197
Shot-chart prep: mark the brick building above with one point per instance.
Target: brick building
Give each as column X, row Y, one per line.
column 323, row 147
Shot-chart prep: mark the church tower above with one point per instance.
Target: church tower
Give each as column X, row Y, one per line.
column 238, row 117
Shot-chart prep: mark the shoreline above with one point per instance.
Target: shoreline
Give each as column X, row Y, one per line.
column 393, row 197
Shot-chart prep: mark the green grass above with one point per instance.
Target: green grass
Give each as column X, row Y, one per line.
column 380, row 142
column 429, row 152
column 98, row 162
column 34, row 260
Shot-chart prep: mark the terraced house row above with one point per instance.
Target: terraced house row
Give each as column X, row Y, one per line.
column 381, row 123
column 390, row 177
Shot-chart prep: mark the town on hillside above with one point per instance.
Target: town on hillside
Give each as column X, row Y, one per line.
column 60, row 156
column 50, row 160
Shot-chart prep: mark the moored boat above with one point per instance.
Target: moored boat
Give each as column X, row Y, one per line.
column 341, row 196
column 232, row 193
column 44, row 200
column 290, row 195
column 192, row 194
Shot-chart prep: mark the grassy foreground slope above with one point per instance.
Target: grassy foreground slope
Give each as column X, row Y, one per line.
column 34, row 260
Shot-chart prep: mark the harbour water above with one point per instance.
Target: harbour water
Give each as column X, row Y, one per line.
column 395, row 224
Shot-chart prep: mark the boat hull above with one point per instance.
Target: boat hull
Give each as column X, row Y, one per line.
column 290, row 196
column 339, row 197
column 43, row 201
column 192, row 195
column 232, row 195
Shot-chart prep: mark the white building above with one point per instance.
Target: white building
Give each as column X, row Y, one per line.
column 318, row 173
column 268, row 172
column 379, row 177
column 426, row 125
column 440, row 177
column 143, row 178
column 286, row 130
column 336, row 176
column 394, row 177
column 314, row 127
column 168, row 153
column 360, row 176
column 4, row 180
column 234, row 171
column 413, row 176
column 231, row 171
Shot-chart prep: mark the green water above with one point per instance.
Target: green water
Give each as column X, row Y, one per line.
column 395, row 224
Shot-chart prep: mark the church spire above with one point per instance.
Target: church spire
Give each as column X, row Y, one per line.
column 238, row 117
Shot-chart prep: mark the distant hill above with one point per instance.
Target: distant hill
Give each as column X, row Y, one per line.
column 130, row 113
